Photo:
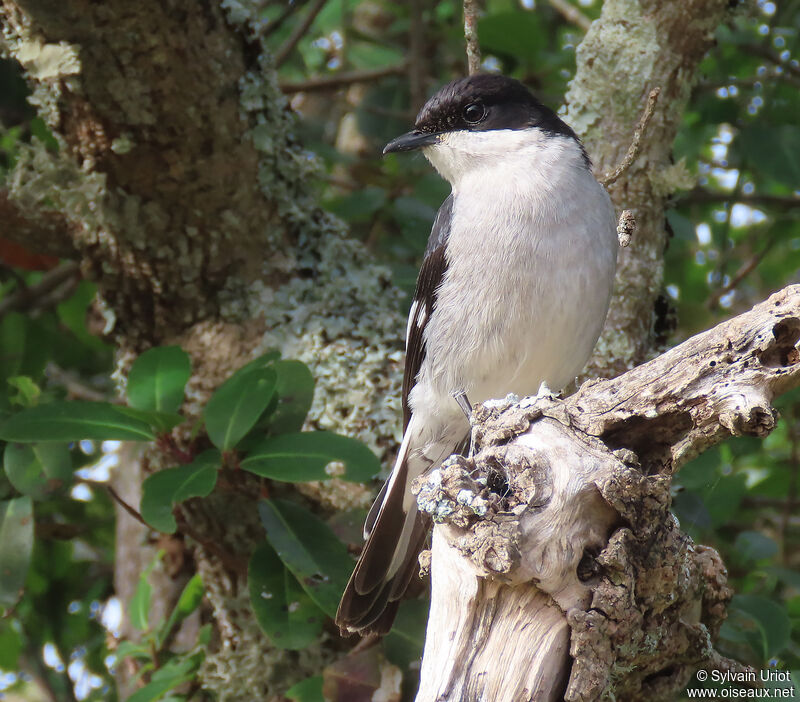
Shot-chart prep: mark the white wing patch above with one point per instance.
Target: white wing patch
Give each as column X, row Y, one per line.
column 417, row 317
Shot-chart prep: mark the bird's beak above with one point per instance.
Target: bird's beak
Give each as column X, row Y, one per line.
column 410, row 142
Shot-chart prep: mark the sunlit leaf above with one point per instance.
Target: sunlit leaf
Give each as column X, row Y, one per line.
column 237, row 404
column 166, row 488
column 72, row 421
column 304, row 456
column 157, row 379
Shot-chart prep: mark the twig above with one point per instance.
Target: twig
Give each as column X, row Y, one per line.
column 471, row 36
column 744, row 270
column 130, row 510
column 766, row 53
column 31, row 296
column 338, row 80
column 284, row 51
column 275, row 23
column 634, row 148
column 74, row 387
column 571, row 14
column 698, row 195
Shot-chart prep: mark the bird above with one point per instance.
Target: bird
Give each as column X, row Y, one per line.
column 513, row 292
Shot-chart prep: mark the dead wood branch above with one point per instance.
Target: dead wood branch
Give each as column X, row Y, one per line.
column 558, row 569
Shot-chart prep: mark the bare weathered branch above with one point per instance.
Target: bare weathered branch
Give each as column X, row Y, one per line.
column 561, row 521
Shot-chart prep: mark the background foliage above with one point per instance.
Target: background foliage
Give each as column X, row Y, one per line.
column 735, row 238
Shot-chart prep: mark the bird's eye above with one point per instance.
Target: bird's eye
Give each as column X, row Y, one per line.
column 474, row 113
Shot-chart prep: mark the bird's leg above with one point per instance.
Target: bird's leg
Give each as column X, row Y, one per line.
column 463, row 402
column 466, row 407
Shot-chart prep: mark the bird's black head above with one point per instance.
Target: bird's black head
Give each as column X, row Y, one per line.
column 480, row 102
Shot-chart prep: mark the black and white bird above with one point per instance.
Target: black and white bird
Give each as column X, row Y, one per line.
column 513, row 292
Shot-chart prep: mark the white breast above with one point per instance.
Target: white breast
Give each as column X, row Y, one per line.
column 531, row 259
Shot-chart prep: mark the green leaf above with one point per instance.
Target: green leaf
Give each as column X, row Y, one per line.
column 163, row 490
column 37, row 470
column 27, row 392
column 16, row 544
column 237, row 404
column 771, row 619
column 24, row 346
column 10, row 645
column 130, row 649
column 284, row 612
column 188, row 602
column 753, row 546
column 303, row 456
column 160, row 421
column 157, row 379
column 175, row 672
column 775, row 151
column 517, row 34
column 295, row 391
column 73, row 421
column 139, row 608
column 309, row 549
column 308, row 690
column 403, row 644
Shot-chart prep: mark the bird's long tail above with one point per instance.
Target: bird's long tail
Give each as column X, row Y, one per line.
column 395, row 532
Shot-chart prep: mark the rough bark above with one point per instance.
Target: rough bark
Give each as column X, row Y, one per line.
column 635, row 46
column 559, row 528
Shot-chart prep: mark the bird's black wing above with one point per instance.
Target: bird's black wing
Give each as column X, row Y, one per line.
column 430, row 277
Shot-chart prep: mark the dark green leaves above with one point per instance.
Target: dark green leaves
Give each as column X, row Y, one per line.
column 770, row 626
column 304, row 456
column 163, row 490
column 157, row 379
column 309, row 549
column 71, row 421
column 774, row 151
column 295, row 391
column 16, row 543
column 236, row 406
column 285, row 613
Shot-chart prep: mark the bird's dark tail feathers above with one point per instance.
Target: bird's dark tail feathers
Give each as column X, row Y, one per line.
column 395, row 533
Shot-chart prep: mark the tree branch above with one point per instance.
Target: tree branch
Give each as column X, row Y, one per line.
column 339, row 80
column 45, row 293
column 471, row 12
column 702, row 196
column 572, row 14
column 286, row 49
column 47, row 232
column 559, row 530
